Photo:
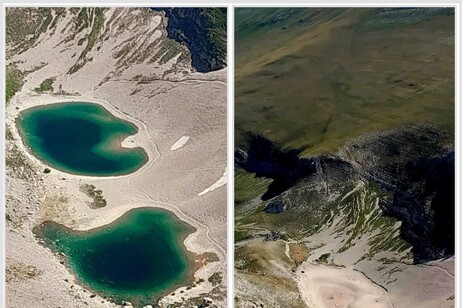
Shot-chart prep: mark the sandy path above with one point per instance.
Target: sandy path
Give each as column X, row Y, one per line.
column 329, row 287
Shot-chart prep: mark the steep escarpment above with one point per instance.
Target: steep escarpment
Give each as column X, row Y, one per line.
column 408, row 173
column 424, row 202
column 203, row 30
column 416, row 165
column 266, row 159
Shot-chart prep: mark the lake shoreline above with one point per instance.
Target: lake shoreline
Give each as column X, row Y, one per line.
column 191, row 258
column 140, row 139
column 113, row 143
column 197, row 243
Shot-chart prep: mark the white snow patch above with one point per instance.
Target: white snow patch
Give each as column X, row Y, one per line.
column 221, row 181
column 359, row 186
column 180, row 143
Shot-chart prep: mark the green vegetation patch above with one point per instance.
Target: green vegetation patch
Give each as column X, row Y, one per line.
column 13, row 82
column 16, row 160
column 248, row 186
column 96, row 194
column 46, row 86
column 217, row 33
column 215, row 279
column 22, row 35
column 204, row 31
column 324, row 258
column 83, row 21
column 241, row 235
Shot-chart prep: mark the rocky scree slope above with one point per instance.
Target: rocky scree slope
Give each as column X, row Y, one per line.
column 83, row 39
column 407, row 172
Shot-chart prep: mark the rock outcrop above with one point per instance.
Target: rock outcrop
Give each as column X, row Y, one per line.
column 413, row 165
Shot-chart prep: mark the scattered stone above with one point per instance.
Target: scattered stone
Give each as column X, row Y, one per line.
column 20, row 271
column 273, row 236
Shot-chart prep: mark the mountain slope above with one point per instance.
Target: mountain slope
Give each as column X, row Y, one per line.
column 315, row 78
column 344, row 158
column 368, row 185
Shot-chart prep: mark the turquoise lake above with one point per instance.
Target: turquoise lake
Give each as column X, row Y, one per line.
column 138, row 258
column 80, row 138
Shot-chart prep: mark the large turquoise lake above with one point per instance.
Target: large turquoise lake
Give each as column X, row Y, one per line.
column 138, row 258
column 80, row 138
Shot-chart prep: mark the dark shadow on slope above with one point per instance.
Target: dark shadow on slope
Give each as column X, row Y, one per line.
column 266, row 159
column 203, row 30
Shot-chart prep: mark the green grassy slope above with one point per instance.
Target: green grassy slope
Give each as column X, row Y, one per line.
column 13, row 82
column 316, row 78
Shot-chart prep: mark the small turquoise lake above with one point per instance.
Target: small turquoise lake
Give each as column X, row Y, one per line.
column 80, row 138
column 139, row 258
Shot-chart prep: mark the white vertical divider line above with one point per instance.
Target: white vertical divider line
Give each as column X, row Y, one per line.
column 457, row 140
column 230, row 238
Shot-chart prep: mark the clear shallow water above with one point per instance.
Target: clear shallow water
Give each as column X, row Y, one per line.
column 138, row 258
column 80, row 138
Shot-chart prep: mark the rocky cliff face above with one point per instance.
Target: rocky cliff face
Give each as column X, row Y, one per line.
column 416, row 165
column 203, row 30
column 266, row 159
column 411, row 169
